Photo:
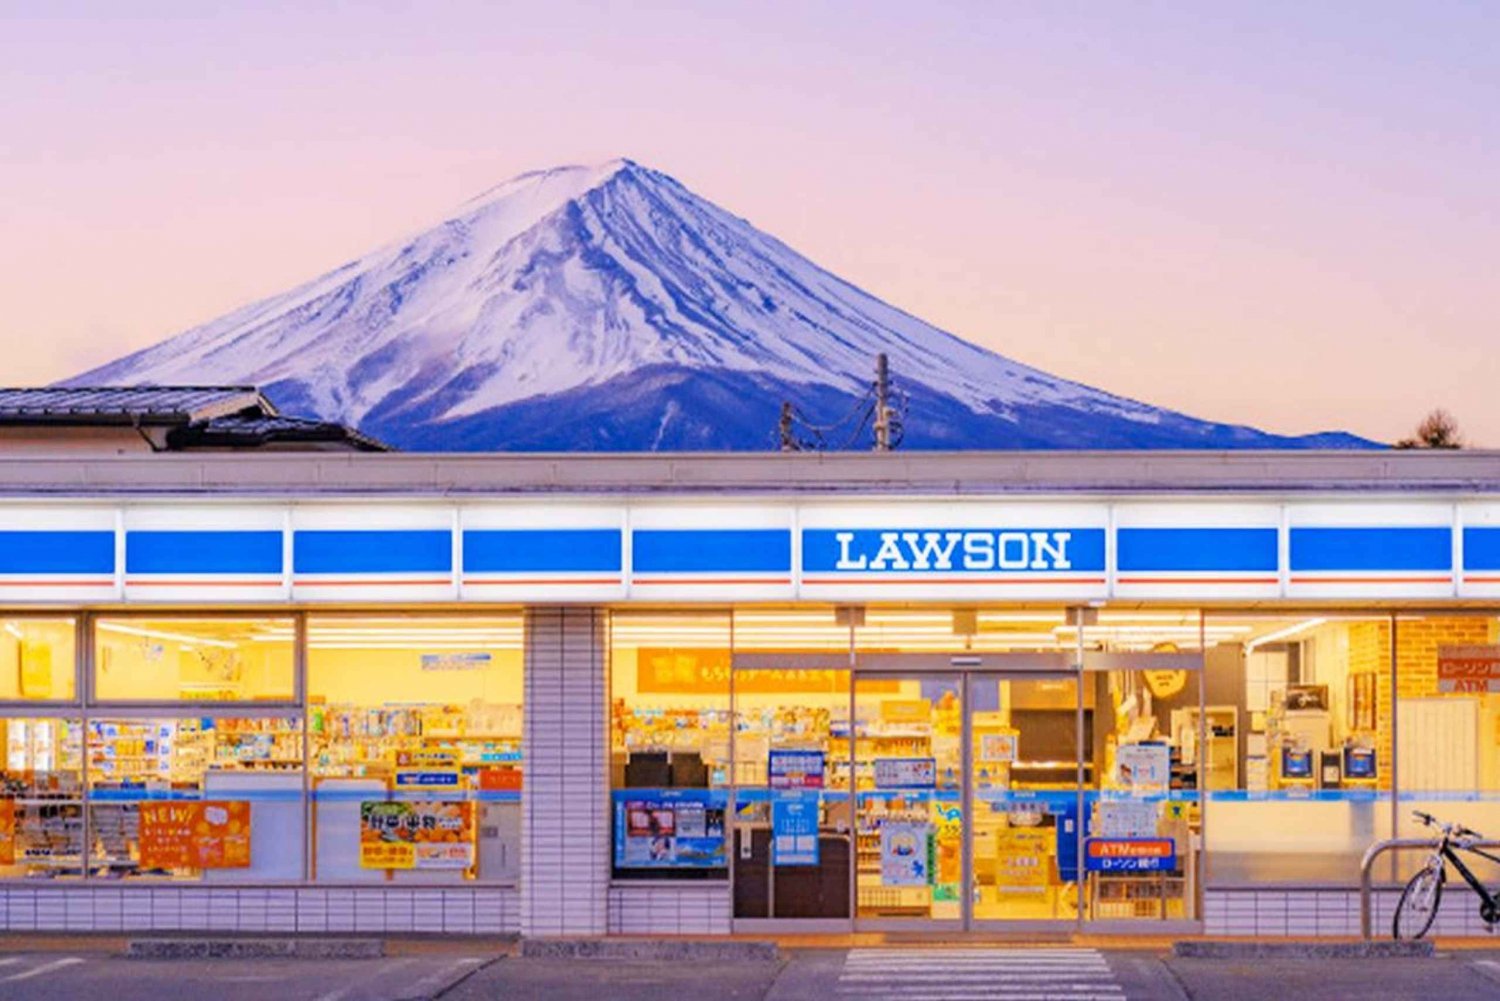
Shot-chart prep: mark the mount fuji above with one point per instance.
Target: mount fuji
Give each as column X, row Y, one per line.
column 609, row 308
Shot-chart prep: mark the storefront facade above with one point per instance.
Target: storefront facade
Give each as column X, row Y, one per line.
column 590, row 695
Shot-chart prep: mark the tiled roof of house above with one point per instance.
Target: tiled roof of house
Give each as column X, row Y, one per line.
column 135, row 405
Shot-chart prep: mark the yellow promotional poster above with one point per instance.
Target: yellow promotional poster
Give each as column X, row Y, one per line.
column 1022, row 859
column 432, row 834
column 36, row 670
column 7, row 831
column 209, row 834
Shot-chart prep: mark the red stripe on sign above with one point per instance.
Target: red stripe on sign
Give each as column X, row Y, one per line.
column 469, row 582
column 1372, row 580
column 129, row 582
column 715, row 580
column 1199, row 580
column 393, row 582
column 908, row 581
column 101, row 582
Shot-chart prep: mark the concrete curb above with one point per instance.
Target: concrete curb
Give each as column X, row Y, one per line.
column 1302, row 950
column 650, row 950
column 255, row 948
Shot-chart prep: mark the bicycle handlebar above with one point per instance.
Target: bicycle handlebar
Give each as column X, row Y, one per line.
column 1455, row 830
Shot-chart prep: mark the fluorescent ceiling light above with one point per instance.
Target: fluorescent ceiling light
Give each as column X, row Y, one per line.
column 1282, row 634
column 159, row 634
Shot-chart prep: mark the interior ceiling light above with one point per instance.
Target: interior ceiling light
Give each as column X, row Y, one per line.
column 1283, row 634
column 161, row 634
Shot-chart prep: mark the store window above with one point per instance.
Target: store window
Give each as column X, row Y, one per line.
column 415, row 729
column 37, row 659
column 1150, row 743
column 194, row 660
column 670, row 744
column 1300, row 727
column 1448, row 720
column 793, row 837
column 41, row 798
column 211, row 798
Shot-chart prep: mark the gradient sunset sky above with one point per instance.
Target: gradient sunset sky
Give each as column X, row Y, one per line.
column 1281, row 214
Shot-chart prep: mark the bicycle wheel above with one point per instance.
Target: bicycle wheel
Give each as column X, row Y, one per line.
column 1418, row 906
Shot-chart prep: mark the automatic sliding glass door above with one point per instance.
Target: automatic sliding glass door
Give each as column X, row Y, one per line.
column 1024, row 797
column 909, row 765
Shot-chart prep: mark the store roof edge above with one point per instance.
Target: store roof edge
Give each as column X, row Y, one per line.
column 933, row 473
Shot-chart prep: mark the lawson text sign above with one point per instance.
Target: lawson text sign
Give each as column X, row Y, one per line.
column 972, row 552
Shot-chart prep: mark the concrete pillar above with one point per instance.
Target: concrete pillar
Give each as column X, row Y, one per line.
column 565, row 829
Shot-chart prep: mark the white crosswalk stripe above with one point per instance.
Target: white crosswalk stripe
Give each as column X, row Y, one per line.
column 44, row 966
column 998, row 974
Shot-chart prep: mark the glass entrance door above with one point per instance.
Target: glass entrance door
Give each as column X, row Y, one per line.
column 1024, row 797
column 967, row 798
column 909, row 761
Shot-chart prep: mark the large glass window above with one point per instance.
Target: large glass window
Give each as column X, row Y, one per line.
column 211, row 788
column 670, row 739
column 41, row 797
column 1299, row 738
column 37, row 659
column 1448, row 721
column 193, row 660
column 1151, row 743
column 415, row 730
column 213, row 797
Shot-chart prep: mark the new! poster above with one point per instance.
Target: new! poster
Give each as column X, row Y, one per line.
column 424, row 834
column 206, row 834
column 7, row 831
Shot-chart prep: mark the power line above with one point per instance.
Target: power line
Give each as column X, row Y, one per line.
column 795, row 433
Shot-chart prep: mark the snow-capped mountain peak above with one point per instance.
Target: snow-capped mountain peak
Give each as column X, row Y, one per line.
column 611, row 290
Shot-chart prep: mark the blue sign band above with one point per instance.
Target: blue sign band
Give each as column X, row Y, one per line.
column 399, row 551
column 1377, row 549
column 1148, row 550
column 228, row 552
column 542, row 550
column 57, row 552
column 752, row 550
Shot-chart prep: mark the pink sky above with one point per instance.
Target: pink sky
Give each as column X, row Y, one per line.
column 1277, row 214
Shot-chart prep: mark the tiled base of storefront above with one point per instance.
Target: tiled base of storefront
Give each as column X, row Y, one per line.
column 669, row 910
column 642, row 910
column 312, row 910
column 1298, row 913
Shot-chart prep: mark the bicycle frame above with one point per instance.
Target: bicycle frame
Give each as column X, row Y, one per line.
column 1489, row 904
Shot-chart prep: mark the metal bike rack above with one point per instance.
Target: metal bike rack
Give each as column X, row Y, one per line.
column 1378, row 849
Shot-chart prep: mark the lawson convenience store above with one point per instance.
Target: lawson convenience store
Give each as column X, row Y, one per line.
column 578, row 695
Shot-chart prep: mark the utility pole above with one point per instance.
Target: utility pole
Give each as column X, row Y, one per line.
column 784, row 428
column 882, row 403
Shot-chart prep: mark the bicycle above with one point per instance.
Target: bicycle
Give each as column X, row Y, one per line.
column 1418, row 906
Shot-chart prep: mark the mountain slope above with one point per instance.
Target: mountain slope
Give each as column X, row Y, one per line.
column 610, row 308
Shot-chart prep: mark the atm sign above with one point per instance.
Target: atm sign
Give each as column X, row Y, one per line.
column 1469, row 668
column 1130, row 854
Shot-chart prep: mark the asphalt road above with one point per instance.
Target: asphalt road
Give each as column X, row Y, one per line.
column 968, row 973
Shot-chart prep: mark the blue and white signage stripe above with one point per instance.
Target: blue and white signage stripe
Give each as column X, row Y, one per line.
column 338, row 558
column 543, row 556
column 775, row 550
column 52, row 564
column 718, row 556
column 204, row 558
column 1369, row 555
column 1482, row 555
column 1211, row 558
